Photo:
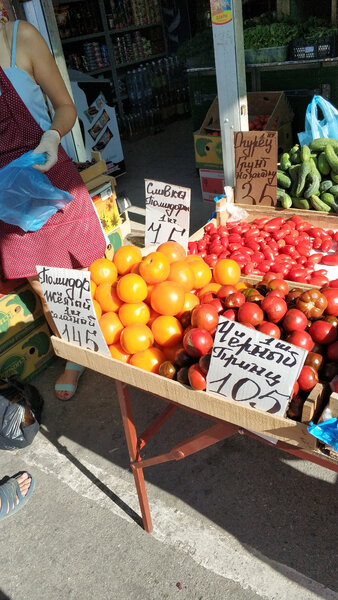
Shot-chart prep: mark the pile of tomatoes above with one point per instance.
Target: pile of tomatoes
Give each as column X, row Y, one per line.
column 292, row 249
column 160, row 313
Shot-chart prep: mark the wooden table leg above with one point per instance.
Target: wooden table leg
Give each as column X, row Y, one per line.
column 131, row 438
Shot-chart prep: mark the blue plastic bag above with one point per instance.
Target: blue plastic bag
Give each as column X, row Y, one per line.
column 27, row 197
column 326, row 432
column 315, row 128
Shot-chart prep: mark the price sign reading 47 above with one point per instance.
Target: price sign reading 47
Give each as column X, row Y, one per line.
column 167, row 213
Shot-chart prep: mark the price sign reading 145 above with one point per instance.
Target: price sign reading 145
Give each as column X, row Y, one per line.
column 167, row 213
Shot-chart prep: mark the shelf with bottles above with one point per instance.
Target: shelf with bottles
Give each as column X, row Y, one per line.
column 78, row 19
column 157, row 93
column 123, row 14
column 134, row 28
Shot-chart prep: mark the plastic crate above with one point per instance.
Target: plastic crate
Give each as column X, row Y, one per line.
column 302, row 49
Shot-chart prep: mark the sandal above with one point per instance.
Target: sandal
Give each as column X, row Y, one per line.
column 69, row 387
column 10, row 492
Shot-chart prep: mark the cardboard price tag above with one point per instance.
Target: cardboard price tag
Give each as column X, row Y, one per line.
column 67, row 293
column 256, row 167
column 253, row 368
column 167, row 213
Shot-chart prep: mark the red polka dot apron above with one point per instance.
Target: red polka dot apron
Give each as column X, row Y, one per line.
column 72, row 237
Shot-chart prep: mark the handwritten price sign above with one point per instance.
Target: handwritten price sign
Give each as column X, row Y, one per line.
column 167, row 213
column 67, row 293
column 256, row 167
column 253, row 368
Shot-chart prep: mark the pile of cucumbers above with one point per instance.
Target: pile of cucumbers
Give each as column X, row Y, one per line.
column 307, row 176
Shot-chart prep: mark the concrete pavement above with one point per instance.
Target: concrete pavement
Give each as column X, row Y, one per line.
column 239, row 520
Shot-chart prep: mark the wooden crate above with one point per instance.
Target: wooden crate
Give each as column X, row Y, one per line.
column 315, row 217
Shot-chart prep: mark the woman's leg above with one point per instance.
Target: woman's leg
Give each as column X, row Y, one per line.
column 70, row 376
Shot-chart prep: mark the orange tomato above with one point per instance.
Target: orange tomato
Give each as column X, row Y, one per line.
column 241, row 286
column 97, row 308
column 181, row 273
column 227, row 271
column 134, row 313
column 167, row 298
column 202, row 274
column 150, row 289
column 131, row 288
column 153, row 316
column 148, row 360
column 103, row 270
column 193, row 258
column 118, row 353
column 154, row 268
column 173, row 251
column 136, row 337
column 167, row 331
column 135, row 268
column 111, row 327
column 126, row 257
column 106, row 296
column 93, row 287
column 210, row 287
column 190, row 301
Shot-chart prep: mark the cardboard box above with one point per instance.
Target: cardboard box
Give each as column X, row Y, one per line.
column 18, row 313
column 207, row 140
column 29, row 355
column 104, row 199
column 212, row 184
column 116, row 241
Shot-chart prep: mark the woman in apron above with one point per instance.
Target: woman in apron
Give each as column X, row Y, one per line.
column 72, row 237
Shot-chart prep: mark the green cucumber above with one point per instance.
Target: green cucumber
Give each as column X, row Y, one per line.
column 312, row 185
column 295, row 158
column 332, row 158
column 304, row 170
column 283, row 180
column 285, row 161
column 293, row 174
column 333, row 190
column 301, row 203
column 325, row 185
column 318, row 204
column 294, row 149
column 334, row 177
column 329, row 200
column 323, row 164
column 283, row 198
column 320, row 144
column 305, row 153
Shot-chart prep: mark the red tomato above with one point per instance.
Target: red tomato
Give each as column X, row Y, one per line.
column 269, row 329
column 331, row 295
column 230, row 314
column 323, row 332
column 197, row 378
column 295, row 389
column 234, row 300
column 308, row 378
column 274, row 307
column 278, row 284
column 251, row 313
column 204, row 363
column 216, row 302
column 204, row 316
column 226, row 290
column 294, row 320
column 301, row 339
column 197, row 341
column 211, row 260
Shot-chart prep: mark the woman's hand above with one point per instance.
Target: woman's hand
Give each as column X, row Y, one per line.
column 49, row 145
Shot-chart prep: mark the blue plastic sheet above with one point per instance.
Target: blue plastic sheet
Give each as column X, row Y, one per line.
column 326, row 432
column 27, row 197
column 319, row 128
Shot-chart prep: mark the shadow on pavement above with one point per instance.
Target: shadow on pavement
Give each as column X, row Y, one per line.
column 270, row 501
